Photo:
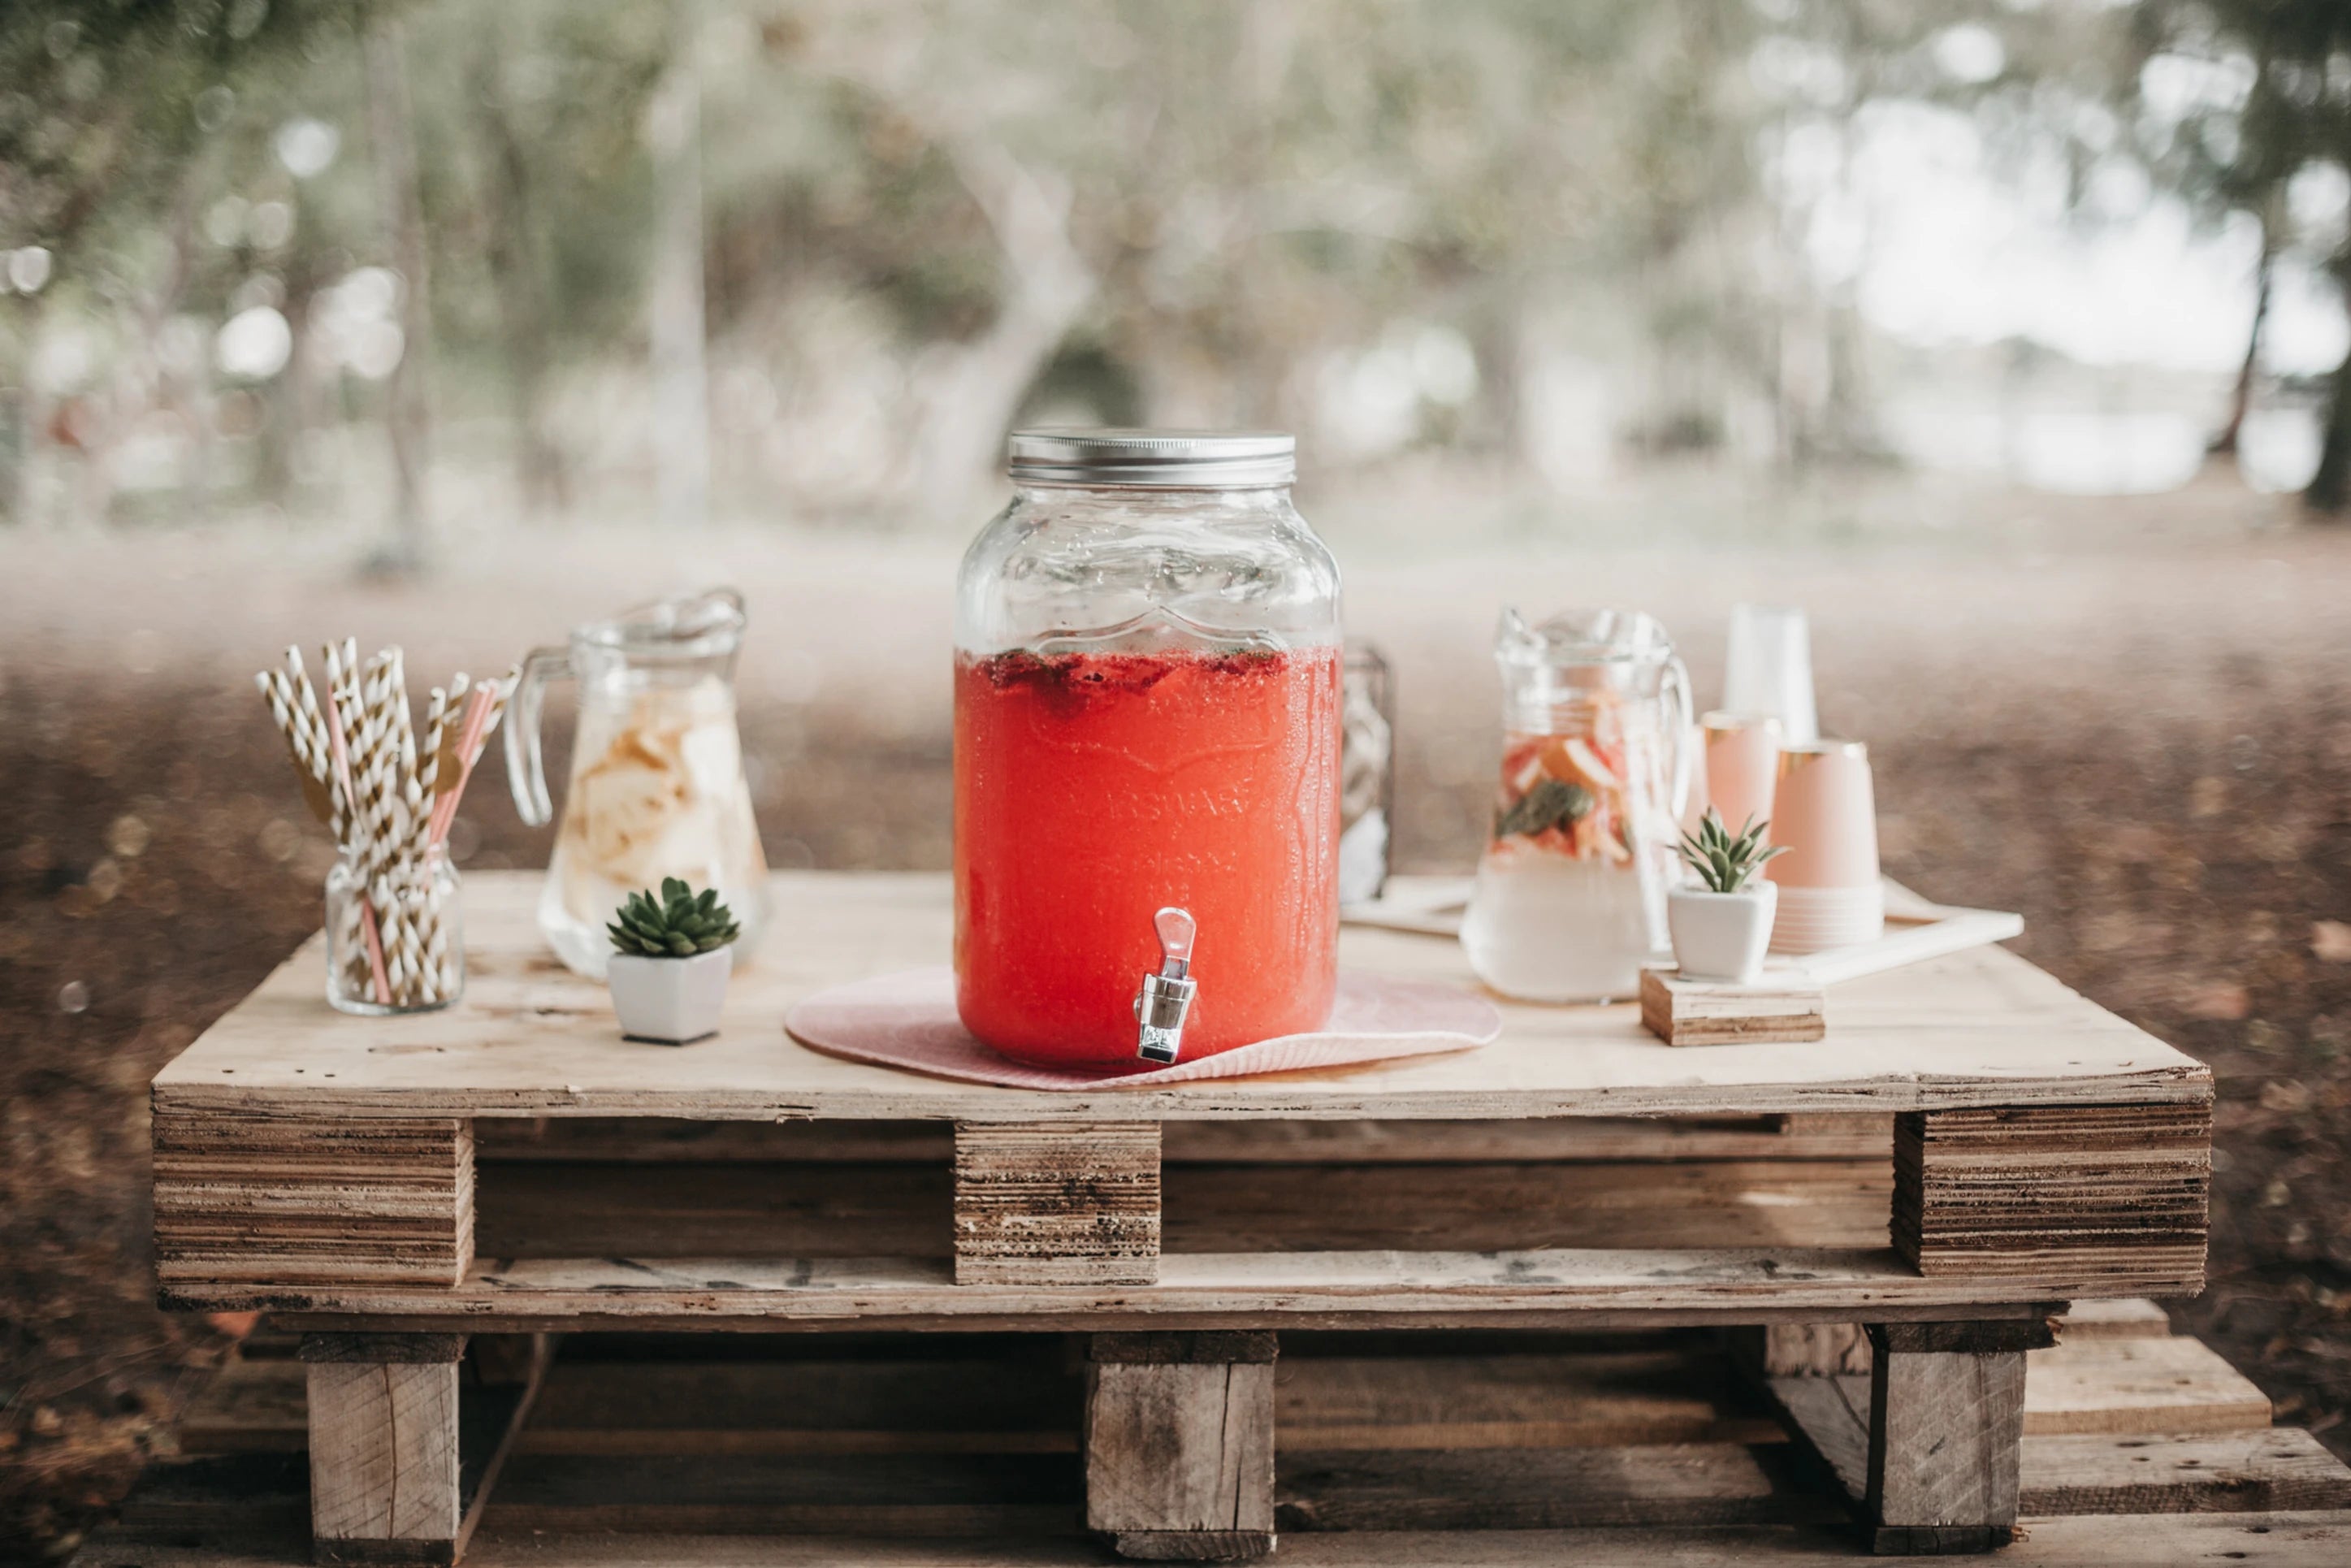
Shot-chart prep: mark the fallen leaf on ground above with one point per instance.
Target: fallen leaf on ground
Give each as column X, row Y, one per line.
column 2227, row 1002
column 2285, row 1094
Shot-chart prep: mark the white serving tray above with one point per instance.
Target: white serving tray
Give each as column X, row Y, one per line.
column 1915, row 929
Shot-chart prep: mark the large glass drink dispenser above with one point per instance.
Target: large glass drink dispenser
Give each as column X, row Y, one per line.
column 1146, row 752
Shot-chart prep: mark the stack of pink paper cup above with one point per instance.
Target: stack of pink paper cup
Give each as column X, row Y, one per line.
column 1824, row 811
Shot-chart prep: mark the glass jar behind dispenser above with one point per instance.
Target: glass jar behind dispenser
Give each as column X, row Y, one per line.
column 1147, row 705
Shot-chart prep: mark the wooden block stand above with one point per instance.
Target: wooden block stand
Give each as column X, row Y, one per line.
column 1977, row 1149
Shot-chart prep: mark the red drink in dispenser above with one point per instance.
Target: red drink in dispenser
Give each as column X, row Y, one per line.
column 1146, row 770
column 1092, row 789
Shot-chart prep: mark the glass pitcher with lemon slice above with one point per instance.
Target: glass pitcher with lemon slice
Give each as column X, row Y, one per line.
column 657, row 787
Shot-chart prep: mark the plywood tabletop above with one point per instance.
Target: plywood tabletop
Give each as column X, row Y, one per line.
column 1981, row 1028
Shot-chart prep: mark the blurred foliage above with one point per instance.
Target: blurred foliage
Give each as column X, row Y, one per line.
column 2256, row 92
column 1174, row 212
column 107, row 105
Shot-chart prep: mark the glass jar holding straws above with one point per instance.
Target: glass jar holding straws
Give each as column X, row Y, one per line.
column 396, row 937
column 417, row 899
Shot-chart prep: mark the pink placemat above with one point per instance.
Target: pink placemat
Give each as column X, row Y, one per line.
column 908, row 1020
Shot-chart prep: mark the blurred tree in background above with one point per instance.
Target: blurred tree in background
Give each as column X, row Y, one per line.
column 118, row 124
column 2259, row 98
column 484, row 260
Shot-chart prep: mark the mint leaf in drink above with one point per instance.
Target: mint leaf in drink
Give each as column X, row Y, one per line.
column 1551, row 804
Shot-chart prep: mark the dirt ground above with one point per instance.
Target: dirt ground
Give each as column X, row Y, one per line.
column 2137, row 735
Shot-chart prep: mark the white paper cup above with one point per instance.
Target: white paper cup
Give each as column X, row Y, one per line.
column 1768, row 667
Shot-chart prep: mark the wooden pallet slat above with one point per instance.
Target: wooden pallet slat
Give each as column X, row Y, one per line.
column 2300, row 1539
column 1586, row 1399
column 2140, row 1385
column 602, row 1209
column 1566, row 1289
column 879, row 1497
column 1537, row 1489
column 666, row 1140
column 2182, row 1472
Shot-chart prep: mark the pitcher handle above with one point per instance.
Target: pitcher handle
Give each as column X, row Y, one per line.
column 525, row 771
column 1682, row 718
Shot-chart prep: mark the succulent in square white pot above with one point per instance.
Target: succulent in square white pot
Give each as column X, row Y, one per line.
column 671, row 957
column 1721, row 926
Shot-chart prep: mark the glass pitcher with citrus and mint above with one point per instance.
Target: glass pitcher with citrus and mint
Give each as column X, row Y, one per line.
column 1570, row 900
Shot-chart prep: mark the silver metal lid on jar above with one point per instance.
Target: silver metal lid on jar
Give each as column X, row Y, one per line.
column 1153, row 459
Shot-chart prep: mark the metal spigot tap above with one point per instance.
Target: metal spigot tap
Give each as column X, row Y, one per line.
column 1166, row 996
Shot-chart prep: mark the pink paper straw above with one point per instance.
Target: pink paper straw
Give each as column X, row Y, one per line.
column 469, row 751
column 375, row 953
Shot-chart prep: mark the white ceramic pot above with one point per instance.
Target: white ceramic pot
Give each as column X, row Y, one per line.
column 1722, row 936
column 670, row 1001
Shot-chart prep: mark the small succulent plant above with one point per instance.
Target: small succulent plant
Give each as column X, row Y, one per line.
column 678, row 925
column 1725, row 862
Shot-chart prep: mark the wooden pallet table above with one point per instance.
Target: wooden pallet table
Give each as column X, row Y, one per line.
column 1971, row 1147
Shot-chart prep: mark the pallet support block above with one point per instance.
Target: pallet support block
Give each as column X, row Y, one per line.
column 385, row 1484
column 1945, row 1427
column 1179, row 1445
column 1056, row 1203
column 284, row 1200
column 2087, row 1193
column 1802, row 1350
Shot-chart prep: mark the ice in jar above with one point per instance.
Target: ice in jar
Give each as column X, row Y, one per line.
column 657, row 788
